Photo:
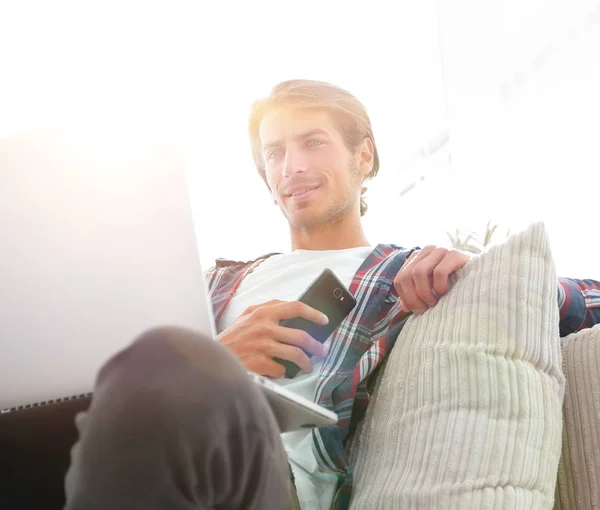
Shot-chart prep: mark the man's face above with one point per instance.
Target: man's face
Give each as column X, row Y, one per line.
column 312, row 175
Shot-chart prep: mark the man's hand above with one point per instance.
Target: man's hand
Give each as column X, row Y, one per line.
column 256, row 337
column 423, row 278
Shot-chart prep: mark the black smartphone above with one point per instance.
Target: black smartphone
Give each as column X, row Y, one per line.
column 328, row 295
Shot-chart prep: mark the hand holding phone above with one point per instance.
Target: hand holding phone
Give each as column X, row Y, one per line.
column 328, row 295
column 256, row 337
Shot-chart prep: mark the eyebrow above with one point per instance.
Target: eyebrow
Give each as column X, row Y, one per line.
column 307, row 134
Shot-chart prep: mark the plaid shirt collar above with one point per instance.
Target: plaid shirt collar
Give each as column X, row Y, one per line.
column 358, row 347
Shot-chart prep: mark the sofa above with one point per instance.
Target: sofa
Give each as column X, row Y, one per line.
column 481, row 404
column 578, row 484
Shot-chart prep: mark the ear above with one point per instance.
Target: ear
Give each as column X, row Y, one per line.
column 366, row 157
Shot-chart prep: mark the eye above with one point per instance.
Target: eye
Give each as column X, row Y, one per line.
column 314, row 143
column 273, row 154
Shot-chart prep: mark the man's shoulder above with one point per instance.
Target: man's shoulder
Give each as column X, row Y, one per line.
column 391, row 247
column 385, row 250
column 223, row 263
column 225, row 272
column 385, row 260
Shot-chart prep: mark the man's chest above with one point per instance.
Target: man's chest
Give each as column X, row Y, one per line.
column 285, row 277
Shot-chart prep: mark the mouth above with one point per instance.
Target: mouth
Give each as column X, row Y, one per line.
column 302, row 192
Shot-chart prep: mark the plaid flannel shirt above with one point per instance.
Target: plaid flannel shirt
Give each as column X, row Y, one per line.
column 366, row 337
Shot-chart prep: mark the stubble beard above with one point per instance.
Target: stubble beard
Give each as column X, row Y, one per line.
column 336, row 210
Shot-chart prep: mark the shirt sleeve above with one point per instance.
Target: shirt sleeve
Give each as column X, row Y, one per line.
column 579, row 304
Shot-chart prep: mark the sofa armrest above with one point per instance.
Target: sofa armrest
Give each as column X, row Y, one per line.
column 579, row 470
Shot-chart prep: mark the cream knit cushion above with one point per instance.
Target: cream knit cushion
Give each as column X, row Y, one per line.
column 468, row 411
column 579, row 470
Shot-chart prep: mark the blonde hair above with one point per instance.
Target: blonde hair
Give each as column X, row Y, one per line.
column 348, row 113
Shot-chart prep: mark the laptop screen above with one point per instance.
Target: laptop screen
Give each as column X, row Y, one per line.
column 94, row 252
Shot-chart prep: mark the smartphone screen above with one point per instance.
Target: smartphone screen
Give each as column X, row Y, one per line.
column 331, row 297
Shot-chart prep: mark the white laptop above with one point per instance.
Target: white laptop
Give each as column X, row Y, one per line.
column 94, row 251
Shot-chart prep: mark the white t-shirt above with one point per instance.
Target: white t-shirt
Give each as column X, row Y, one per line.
column 285, row 277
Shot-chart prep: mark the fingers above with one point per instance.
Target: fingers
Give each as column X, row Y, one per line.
column 300, row 339
column 292, row 353
column 285, row 343
column 256, row 337
column 267, row 366
column 423, row 279
column 277, row 310
column 453, row 261
column 293, row 309
column 406, row 285
column 260, row 359
column 273, row 369
column 253, row 308
column 410, row 300
column 422, row 275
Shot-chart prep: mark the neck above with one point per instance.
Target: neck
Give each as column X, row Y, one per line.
column 339, row 234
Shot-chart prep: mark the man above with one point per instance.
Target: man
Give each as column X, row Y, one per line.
column 176, row 423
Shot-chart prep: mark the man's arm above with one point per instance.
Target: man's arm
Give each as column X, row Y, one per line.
column 579, row 304
column 423, row 278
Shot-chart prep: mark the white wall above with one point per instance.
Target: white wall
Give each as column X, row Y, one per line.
column 523, row 90
column 520, row 88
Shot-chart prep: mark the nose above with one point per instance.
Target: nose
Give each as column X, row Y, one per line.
column 294, row 162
